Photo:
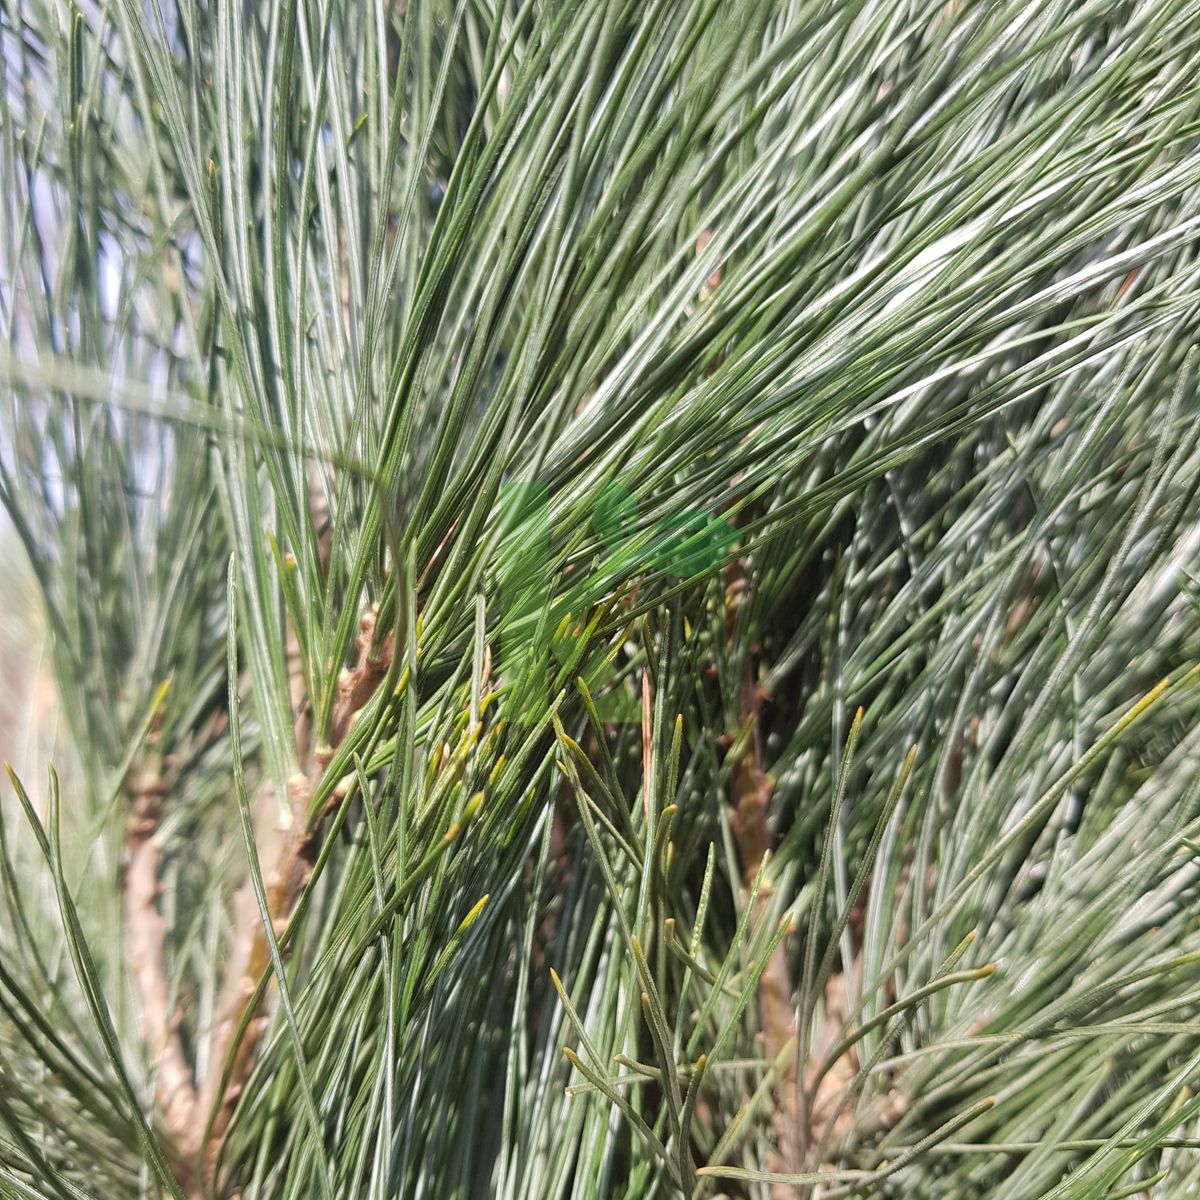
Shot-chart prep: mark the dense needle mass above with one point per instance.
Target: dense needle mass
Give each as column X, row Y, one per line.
column 621, row 582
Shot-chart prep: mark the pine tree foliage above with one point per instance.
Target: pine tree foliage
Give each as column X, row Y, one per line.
column 620, row 579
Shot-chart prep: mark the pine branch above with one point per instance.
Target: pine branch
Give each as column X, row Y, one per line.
column 146, row 932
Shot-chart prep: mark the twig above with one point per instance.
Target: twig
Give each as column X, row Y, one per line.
column 287, row 856
column 751, row 828
column 145, row 930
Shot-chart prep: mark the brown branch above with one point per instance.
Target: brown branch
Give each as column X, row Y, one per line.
column 823, row 1116
column 751, row 827
column 830, row 1086
column 279, row 852
column 752, row 832
column 286, row 853
column 145, row 931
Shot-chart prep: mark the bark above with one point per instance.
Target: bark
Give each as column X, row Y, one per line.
column 286, row 853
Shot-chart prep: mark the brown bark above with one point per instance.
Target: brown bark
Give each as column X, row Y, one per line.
column 145, row 932
column 286, row 856
column 750, row 823
column 751, row 827
column 286, row 853
column 280, row 855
